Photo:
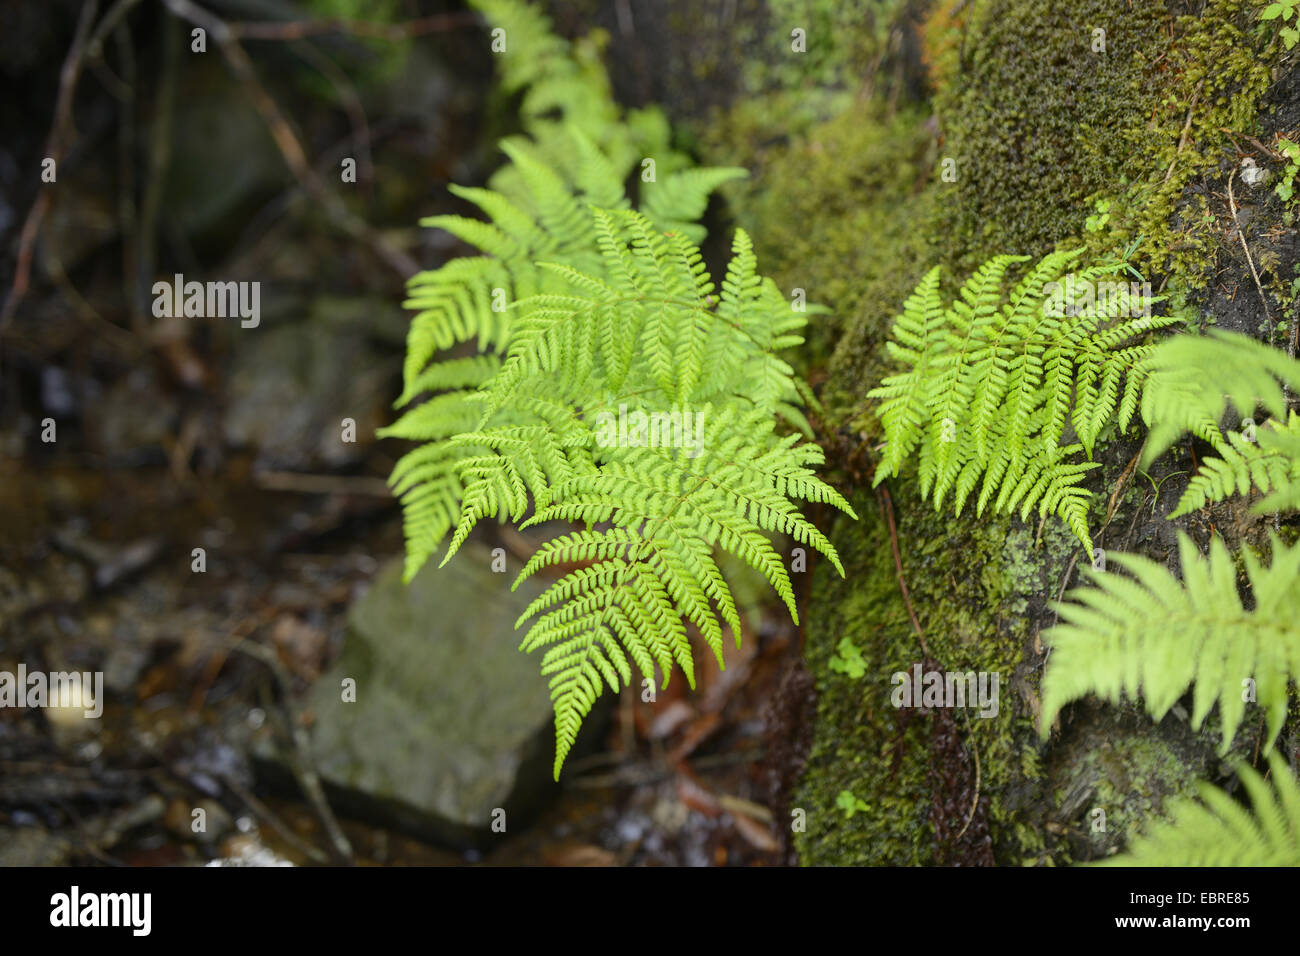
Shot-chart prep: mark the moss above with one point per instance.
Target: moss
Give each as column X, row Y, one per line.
column 1212, row 75
column 1034, row 118
column 976, row 616
column 1109, row 784
column 831, row 207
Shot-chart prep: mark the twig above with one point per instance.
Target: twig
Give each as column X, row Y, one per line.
column 1119, row 487
column 323, row 484
column 160, row 151
column 1187, row 128
column 265, row 814
column 55, row 146
column 887, row 508
column 1232, row 203
column 974, row 804
column 285, row 139
column 126, row 187
column 351, row 103
column 303, row 769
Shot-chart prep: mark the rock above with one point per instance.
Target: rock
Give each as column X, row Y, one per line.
column 450, row 720
column 292, row 385
column 33, row 846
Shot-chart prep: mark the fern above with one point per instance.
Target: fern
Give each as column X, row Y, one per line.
column 993, row 380
column 584, row 308
column 1270, row 463
column 1192, row 383
column 1220, row 832
column 576, row 154
column 1151, row 634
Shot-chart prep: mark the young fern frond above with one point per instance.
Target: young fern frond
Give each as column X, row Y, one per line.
column 677, row 201
column 991, row 382
column 1219, row 831
column 1154, row 636
column 538, row 208
column 546, row 438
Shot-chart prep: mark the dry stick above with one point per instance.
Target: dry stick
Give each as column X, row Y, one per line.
column 160, row 151
column 285, row 139
column 1187, row 128
column 1232, row 203
column 126, row 186
column 55, row 145
column 887, row 507
column 351, row 103
column 303, row 769
column 267, row 816
column 323, row 484
column 1241, row 234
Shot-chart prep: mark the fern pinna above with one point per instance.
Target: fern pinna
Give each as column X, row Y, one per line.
column 992, row 382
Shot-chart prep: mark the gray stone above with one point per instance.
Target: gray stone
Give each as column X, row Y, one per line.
column 292, row 385
column 451, row 721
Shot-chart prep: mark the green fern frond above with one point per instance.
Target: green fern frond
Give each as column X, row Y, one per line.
column 1192, row 380
column 991, row 381
column 1192, row 383
column 678, row 200
column 1219, row 831
column 653, row 571
column 583, row 309
column 1154, row 636
column 1270, row 463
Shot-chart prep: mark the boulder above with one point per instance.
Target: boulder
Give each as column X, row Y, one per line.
column 450, row 722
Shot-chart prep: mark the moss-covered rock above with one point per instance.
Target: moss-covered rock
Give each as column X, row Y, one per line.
column 1040, row 115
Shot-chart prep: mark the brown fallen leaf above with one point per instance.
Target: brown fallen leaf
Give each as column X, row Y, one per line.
column 696, row 796
column 581, row 854
column 756, row 834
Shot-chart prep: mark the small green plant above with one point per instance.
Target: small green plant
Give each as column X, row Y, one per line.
column 848, row 660
column 850, row 804
column 1098, row 220
column 1285, row 187
column 1284, row 10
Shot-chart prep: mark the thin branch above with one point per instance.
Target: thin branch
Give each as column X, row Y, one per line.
column 286, row 140
column 1232, row 202
column 55, row 146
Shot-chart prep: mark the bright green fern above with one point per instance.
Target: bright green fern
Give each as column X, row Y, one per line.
column 1220, row 832
column 1001, row 391
column 578, row 153
column 616, row 389
column 1153, row 635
